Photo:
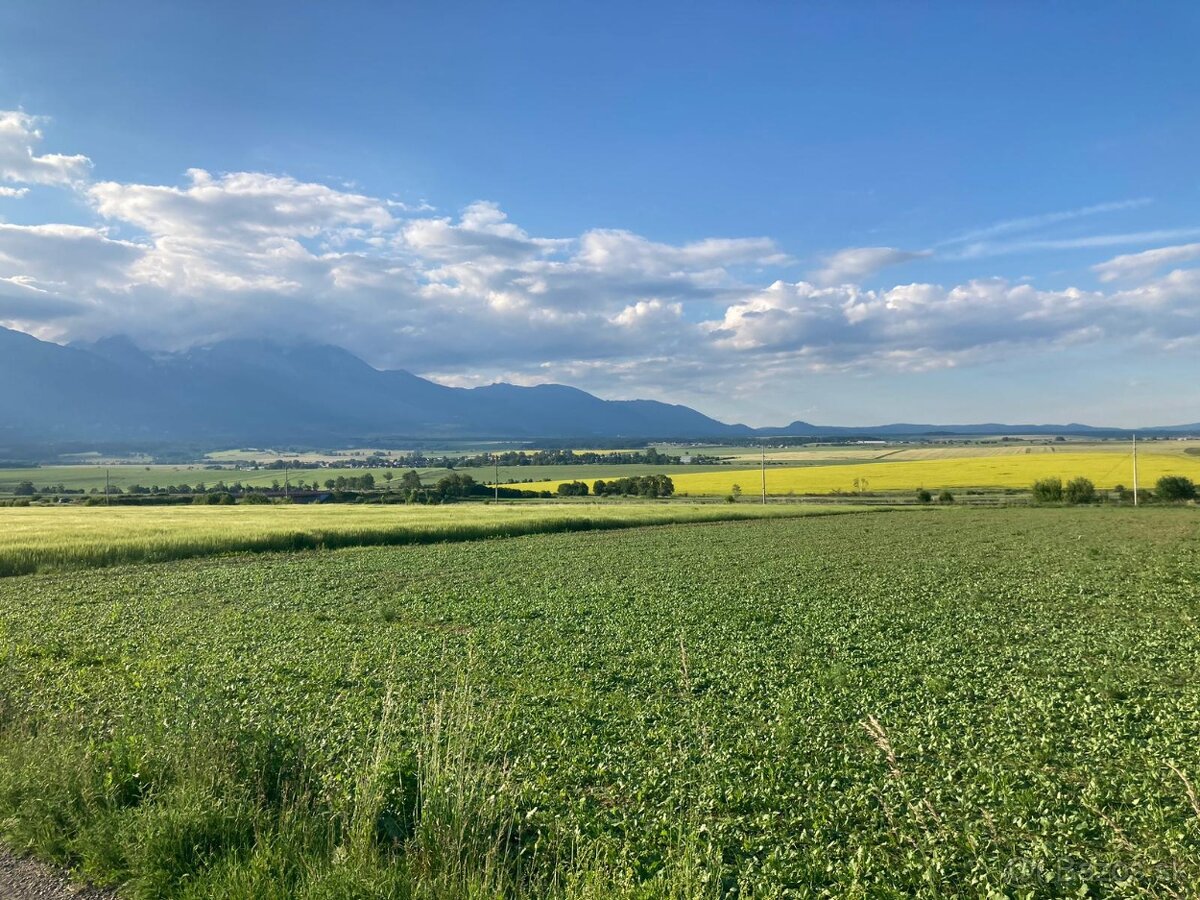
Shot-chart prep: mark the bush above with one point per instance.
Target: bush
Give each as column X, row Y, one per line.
column 1175, row 488
column 1080, row 490
column 945, row 497
column 573, row 489
column 923, row 496
column 1048, row 490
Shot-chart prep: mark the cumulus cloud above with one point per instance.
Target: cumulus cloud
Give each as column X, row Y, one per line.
column 921, row 326
column 19, row 161
column 238, row 207
column 13, row 192
column 1138, row 265
column 856, row 263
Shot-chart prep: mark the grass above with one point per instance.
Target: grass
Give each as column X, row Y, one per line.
column 1106, row 469
column 975, row 703
column 39, row 539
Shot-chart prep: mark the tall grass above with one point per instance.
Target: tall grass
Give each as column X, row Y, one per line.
column 209, row 814
column 188, row 533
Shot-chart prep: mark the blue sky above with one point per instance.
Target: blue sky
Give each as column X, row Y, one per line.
column 848, row 213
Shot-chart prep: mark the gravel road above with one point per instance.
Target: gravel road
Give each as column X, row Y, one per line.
column 22, row 878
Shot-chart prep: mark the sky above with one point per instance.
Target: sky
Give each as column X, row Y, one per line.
column 843, row 213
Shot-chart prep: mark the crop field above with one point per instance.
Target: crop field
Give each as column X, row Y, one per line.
column 92, row 477
column 48, row 538
column 85, row 477
column 1000, row 471
column 988, row 703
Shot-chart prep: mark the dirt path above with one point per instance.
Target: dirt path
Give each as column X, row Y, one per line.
column 22, row 878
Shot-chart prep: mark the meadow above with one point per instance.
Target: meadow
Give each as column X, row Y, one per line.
column 44, row 538
column 976, row 703
column 995, row 471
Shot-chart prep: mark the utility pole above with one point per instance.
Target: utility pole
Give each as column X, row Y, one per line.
column 1135, row 492
column 287, row 491
column 764, row 473
column 107, row 499
column 496, row 483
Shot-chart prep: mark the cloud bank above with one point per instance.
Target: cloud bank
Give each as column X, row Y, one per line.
column 472, row 296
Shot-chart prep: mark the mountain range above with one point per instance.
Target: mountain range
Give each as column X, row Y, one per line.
column 262, row 393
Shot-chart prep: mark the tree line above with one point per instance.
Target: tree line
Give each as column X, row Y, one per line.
column 634, row 486
column 1168, row 489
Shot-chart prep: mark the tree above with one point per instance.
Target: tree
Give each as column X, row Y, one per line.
column 1080, row 490
column 923, row 496
column 453, row 486
column 1175, row 488
column 1048, row 490
column 573, row 489
column 945, row 497
column 388, row 476
column 735, row 492
column 410, row 481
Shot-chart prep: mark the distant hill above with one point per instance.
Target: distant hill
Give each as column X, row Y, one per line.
column 258, row 393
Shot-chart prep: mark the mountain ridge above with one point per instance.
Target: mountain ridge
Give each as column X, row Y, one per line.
column 256, row 391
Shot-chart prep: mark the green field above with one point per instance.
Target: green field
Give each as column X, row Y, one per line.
column 87, row 477
column 987, row 703
column 985, row 465
column 51, row 538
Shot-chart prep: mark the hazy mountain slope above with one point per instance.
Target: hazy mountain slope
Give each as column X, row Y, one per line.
column 258, row 392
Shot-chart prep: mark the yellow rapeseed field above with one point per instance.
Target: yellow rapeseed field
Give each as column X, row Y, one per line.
column 1106, row 469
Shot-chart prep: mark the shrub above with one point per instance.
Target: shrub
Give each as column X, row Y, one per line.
column 945, row 497
column 1048, row 490
column 1080, row 490
column 923, row 496
column 1175, row 488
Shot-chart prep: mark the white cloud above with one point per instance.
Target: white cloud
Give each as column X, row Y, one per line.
column 1031, row 223
column 240, row 206
column 476, row 296
column 920, row 326
column 613, row 250
column 19, row 136
column 985, row 249
column 1138, row 265
column 856, row 263
column 13, row 192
